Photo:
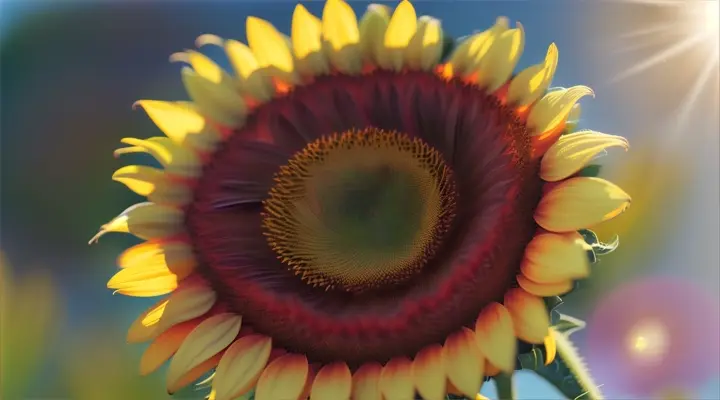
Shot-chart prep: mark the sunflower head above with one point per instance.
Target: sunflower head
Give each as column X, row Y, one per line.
column 359, row 211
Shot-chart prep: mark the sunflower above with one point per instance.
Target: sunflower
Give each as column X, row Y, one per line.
column 366, row 209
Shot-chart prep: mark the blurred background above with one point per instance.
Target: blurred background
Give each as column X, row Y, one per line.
column 70, row 72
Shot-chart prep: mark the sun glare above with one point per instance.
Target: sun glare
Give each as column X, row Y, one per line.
column 647, row 341
column 687, row 42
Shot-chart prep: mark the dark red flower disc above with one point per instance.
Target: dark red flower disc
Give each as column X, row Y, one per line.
column 495, row 190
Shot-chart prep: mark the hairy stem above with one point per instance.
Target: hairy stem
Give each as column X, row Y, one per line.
column 505, row 388
column 568, row 372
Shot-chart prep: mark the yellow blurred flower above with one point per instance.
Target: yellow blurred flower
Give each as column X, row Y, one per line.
column 29, row 312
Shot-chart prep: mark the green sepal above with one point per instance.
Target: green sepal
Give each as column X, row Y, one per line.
column 568, row 325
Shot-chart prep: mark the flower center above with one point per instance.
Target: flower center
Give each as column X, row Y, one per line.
column 360, row 210
column 348, row 179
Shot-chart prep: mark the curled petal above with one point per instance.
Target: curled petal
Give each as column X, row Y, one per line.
column 332, row 382
column 529, row 315
column 153, row 183
column 241, row 366
column 204, row 66
column 341, row 36
column 425, row 49
column 208, row 339
column 550, row 347
column 544, row 289
column 495, row 336
column 580, row 203
column 464, row 362
column 220, row 103
column 429, row 372
column 182, row 123
column 283, row 378
column 551, row 258
column 253, row 80
column 184, row 304
column 501, row 59
column 307, row 43
column 373, row 25
column 146, row 221
column 532, row 82
column 468, row 56
column 176, row 159
column 366, row 382
column 271, row 49
column 396, row 381
column 552, row 110
column 400, row 30
column 573, row 151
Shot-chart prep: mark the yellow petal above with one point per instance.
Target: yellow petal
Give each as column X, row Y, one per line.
column 428, row 371
column 252, row 80
column 204, row 66
column 366, row 382
column 146, row 221
column 550, row 347
column 499, row 63
column 490, row 369
column 372, row 31
column 552, row 258
column 176, row 159
column 147, row 252
column 333, row 382
column 396, row 381
column 271, row 49
column 147, row 280
column 464, row 362
column 153, row 183
column 544, row 289
column 140, row 179
column 400, row 30
column 529, row 315
column 425, row 49
column 284, row 378
column 307, row 43
column 532, row 82
column 205, row 341
column 552, row 110
column 220, row 103
column 341, row 36
column 573, row 118
column 197, row 372
column 184, row 304
column 495, row 336
column 164, row 346
column 573, row 151
column 182, row 123
column 241, row 366
column 468, row 55
column 580, row 203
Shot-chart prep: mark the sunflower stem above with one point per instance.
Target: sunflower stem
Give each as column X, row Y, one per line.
column 505, row 388
column 568, row 372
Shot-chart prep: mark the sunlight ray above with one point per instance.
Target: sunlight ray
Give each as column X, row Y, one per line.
column 693, row 96
column 671, row 51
